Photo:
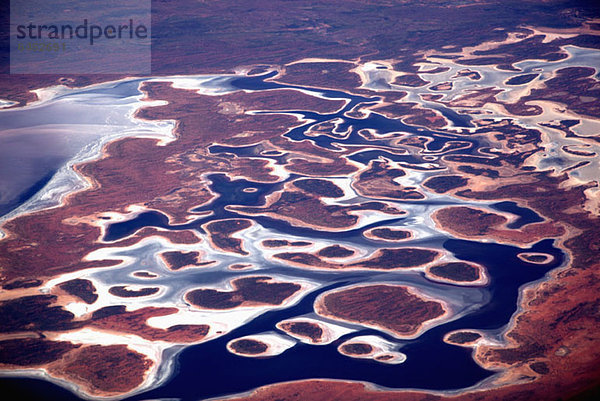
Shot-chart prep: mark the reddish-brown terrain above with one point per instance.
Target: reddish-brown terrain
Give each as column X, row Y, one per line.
column 176, row 260
column 382, row 259
column 462, row 337
column 248, row 347
column 103, row 370
column 303, row 329
column 279, row 243
column 82, row 289
column 460, row 272
column 302, row 209
column 220, row 232
column 335, row 251
column 321, row 188
column 467, row 222
column 118, row 319
column 444, row 183
column 378, row 182
column 356, row 349
column 260, row 290
column 388, row 234
column 397, row 309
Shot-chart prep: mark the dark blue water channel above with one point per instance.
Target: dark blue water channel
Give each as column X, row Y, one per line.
column 209, row 370
column 524, row 215
column 206, row 370
column 373, row 121
column 231, row 192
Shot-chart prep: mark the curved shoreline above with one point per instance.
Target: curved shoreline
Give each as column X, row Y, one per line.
column 425, row 325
